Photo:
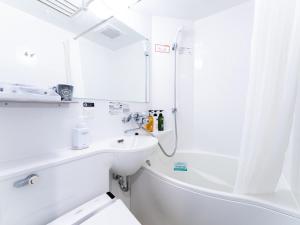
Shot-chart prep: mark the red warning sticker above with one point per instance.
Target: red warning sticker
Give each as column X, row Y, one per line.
column 162, row 48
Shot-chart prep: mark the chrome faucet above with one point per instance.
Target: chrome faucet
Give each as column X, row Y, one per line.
column 139, row 118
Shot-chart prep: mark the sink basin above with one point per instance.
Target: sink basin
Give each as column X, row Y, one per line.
column 130, row 153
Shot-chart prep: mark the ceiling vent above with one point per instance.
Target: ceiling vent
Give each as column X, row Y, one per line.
column 62, row 6
column 110, row 32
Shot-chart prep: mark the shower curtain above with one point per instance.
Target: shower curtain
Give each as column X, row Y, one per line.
column 275, row 68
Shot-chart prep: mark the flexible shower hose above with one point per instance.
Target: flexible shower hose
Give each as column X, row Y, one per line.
column 176, row 139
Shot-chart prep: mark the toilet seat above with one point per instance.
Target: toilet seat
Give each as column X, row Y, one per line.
column 114, row 214
column 104, row 210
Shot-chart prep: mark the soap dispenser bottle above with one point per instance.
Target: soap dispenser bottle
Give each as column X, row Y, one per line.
column 161, row 121
column 80, row 135
column 150, row 125
column 155, row 124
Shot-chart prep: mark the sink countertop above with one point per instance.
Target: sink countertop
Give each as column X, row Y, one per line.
column 26, row 165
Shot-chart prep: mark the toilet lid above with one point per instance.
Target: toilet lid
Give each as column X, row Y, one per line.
column 114, row 214
column 103, row 210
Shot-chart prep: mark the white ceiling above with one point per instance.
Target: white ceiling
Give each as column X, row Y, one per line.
column 78, row 23
column 184, row 9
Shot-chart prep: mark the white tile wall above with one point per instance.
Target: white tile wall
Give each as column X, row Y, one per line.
column 164, row 32
column 212, row 80
column 222, row 58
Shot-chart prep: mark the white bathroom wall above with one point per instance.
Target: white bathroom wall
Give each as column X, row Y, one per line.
column 163, row 32
column 222, row 56
column 29, row 130
column 212, row 77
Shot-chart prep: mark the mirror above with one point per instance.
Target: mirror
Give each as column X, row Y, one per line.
column 32, row 51
column 110, row 62
column 114, row 61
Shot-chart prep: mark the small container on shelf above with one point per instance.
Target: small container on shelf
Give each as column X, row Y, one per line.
column 161, row 121
column 150, row 125
column 155, row 115
column 80, row 136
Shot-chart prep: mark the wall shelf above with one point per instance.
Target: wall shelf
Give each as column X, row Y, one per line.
column 160, row 134
column 37, row 102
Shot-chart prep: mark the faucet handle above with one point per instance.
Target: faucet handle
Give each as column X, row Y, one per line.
column 132, row 116
column 126, row 119
column 142, row 119
column 136, row 116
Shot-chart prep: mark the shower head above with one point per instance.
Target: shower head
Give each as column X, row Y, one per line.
column 175, row 43
column 179, row 31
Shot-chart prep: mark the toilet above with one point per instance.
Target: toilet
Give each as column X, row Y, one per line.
column 105, row 209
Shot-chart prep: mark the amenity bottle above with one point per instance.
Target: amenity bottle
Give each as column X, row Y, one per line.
column 150, row 125
column 161, row 121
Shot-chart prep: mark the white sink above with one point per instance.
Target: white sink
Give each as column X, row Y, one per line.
column 130, row 153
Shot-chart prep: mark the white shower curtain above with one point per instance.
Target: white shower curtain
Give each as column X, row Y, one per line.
column 275, row 67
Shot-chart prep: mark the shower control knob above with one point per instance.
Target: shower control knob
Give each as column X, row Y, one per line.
column 33, row 179
column 30, row 180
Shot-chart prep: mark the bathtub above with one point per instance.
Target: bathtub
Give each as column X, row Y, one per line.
column 203, row 195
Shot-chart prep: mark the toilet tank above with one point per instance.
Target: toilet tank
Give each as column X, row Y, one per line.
column 58, row 189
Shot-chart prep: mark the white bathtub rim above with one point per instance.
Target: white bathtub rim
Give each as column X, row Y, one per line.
column 232, row 157
column 205, row 152
column 222, row 195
